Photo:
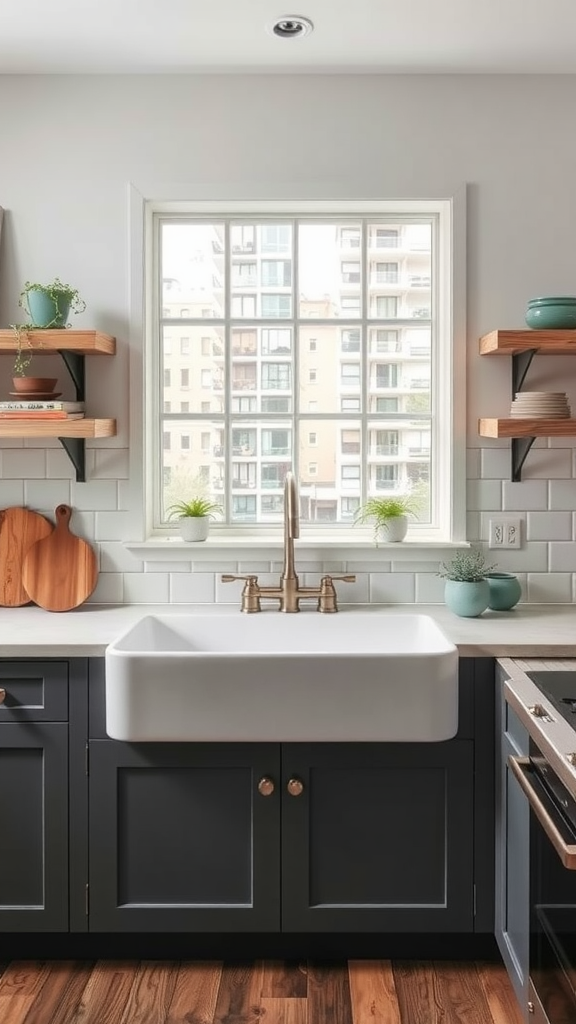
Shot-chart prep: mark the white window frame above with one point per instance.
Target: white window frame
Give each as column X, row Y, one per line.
column 449, row 423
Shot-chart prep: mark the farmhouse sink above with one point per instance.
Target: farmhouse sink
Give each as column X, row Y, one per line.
column 357, row 676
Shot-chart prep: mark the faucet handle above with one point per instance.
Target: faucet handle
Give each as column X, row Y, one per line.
column 250, row 592
column 327, row 600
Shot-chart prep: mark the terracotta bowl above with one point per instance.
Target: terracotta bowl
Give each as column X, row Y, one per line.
column 34, row 384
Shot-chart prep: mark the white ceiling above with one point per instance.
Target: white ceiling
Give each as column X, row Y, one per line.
column 186, row 36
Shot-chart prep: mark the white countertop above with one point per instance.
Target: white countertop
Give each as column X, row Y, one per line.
column 539, row 631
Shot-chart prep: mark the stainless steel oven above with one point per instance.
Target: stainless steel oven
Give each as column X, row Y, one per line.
column 548, row 780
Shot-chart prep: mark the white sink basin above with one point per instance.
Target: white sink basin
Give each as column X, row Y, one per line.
column 268, row 677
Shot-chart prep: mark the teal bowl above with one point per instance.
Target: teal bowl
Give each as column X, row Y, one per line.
column 553, row 300
column 557, row 316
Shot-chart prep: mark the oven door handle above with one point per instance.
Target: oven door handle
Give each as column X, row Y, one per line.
column 520, row 767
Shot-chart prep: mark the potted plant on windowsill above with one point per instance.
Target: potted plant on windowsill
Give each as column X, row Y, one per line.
column 48, row 308
column 389, row 516
column 194, row 517
column 467, row 591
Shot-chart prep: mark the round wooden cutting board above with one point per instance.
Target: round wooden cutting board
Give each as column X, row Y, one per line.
column 19, row 530
column 60, row 572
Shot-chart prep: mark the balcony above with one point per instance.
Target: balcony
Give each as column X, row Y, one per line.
column 242, row 384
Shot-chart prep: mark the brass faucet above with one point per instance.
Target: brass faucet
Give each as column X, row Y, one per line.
column 289, row 592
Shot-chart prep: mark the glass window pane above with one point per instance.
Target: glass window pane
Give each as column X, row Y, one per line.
column 192, row 461
column 193, row 270
column 330, row 268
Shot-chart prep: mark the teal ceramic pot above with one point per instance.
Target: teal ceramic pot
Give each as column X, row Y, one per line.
column 44, row 311
column 554, row 312
column 467, row 599
column 505, row 591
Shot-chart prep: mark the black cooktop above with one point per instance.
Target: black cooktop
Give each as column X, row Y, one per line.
column 560, row 688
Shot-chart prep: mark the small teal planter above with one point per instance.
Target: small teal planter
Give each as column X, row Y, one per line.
column 44, row 311
column 467, row 599
column 505, row 591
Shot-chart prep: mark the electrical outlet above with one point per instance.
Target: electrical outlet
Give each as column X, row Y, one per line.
column 504, row 533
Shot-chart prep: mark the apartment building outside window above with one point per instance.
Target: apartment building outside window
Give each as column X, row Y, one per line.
column 317, row 320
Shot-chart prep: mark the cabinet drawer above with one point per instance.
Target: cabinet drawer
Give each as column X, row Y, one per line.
column 34, row 691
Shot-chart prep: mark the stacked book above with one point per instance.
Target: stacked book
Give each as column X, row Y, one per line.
column 33, row 409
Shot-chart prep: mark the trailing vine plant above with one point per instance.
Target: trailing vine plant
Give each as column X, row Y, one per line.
column 57, row 292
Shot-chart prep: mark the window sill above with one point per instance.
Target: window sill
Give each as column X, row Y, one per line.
column 307, row 549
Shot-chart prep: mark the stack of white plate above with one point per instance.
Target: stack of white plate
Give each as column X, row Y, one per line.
column 543, row 405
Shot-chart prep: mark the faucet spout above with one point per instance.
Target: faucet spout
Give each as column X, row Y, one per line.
column 291, row 526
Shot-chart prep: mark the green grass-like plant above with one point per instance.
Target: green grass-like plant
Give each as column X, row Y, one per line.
column 195, row 508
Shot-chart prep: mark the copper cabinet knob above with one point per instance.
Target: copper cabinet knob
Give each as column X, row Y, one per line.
column 2, row 695
column 266, row 786
column 295, row 787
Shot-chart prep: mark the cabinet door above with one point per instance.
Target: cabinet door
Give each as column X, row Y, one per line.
column 380, row 839
column 34, row 827
column 512, row 911
column 181, row 839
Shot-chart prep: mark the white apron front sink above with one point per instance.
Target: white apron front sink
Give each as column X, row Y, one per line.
column 353, row 676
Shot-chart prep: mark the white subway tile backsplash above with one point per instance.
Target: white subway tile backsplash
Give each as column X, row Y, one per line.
column 45, row 495
column 168, row 567
column 113, row 525
column 95, row 495
column 525, row 495
column 549, row 588
column 392, row 588
column 111, row 462
column 109, row 589
column 544, row 525
column 11, row 493
column 562, row 495
column 59, row 466
column 563, row 557
column 548, row 463
column 23, row 465
column 40, row 476
column 495, row 463
column 146, row 588
column 429, row 588
column 192, row 588
column 531, row 558
column 115, row 557
column 484, row 494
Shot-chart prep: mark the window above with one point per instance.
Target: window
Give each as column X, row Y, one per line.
column 293, row 341
column 276, row 376
column 350, row 374
column 312, row 468
column 185, row 442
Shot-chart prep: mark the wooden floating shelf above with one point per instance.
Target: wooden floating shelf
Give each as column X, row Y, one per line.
column 526, row 428
column 58, row 428
column 47, row 342
column 507, row 343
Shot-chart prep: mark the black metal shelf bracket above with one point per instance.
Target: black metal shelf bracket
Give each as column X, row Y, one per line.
column 75, row 449
column 520, row 366
column 520, row 448
column 75, row 364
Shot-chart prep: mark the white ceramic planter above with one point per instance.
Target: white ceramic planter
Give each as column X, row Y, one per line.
column 194, row 528
column 393, row 530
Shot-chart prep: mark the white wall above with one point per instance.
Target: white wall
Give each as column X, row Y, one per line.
column 72, row 144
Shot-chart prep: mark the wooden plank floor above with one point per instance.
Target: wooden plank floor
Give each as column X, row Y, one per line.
column 263, row 992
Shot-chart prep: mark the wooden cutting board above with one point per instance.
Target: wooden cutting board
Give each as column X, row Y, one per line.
column 60, row 571
column 19, row 530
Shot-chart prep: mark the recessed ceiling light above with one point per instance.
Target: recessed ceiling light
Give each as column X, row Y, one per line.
column 292, row 26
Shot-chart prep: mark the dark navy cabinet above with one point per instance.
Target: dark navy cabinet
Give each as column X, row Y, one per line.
column 292, row 837
column 512, row 911
column 33, row 796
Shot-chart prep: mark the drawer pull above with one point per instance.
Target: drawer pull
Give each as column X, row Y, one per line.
column 2, row 694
